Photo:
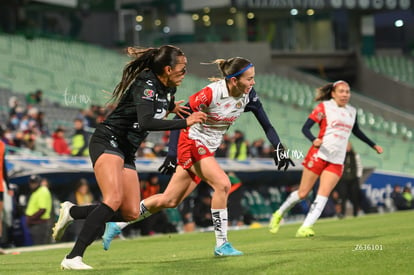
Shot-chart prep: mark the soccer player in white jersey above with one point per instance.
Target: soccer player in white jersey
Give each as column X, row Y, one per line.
column 325, row 157
column 223, row 101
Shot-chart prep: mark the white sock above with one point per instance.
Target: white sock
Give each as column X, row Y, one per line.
column 143, row 214
column 315, row 210
column 289, row 203
column 220, row 221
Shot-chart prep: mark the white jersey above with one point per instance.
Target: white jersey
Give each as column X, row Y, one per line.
column 222, row 111
column 336, row 125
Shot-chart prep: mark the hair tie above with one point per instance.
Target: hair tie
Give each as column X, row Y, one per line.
column 240, row 72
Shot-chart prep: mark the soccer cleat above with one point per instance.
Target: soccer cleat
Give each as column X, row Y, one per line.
column 305, row 231
column 64, row 220
column 226, row 249
column 275, row 222
column 74, row 264
column 111, row 231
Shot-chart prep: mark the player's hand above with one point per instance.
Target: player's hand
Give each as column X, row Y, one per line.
column 169, row 165
column 281, row 158
column 197, row 117
column 317, row 142
column 180, row 110
column 378, row 149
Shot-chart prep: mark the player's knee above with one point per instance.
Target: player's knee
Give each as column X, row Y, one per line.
column 223, row 187
column 114, row 201
column 130, row 216
column 171, row 202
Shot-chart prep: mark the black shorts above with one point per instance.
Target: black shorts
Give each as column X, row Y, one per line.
column 1, row 196
column 105, row 140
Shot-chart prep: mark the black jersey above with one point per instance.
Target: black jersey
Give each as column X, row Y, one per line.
column 142, row 108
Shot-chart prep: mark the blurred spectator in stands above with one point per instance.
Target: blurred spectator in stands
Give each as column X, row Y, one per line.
column 159, row 150
column 31, row 99
column 158, row 222
column 256, row 150
column 234, row 204
column 7, row 136
column 348, row 187
column 222, row 150
column 38, row 211
column 186, row 211
column 80, row 196
column 42, row 125
column 29, row 140
column 239, row 148
column 202, row 206
column 398, row 198
column 60, row 145
column 13, row 105
column 80, row 140
column 4, row 185
column 14, row 122
column 408, row 197
column 38, row 96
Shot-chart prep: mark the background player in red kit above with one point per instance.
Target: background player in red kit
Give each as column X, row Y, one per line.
column 223, row 101
column 326, row 156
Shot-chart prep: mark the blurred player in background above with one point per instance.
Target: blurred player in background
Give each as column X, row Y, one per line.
column 223, row 101
column 325, row 158
column 144, row 97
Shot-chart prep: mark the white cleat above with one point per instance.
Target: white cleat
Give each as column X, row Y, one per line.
column 64, row 220
column 74, row 264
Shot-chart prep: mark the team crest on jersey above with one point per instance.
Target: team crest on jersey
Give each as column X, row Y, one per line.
column 148, row 94
column 201, row 151
column 239, row 105
column 320, row 115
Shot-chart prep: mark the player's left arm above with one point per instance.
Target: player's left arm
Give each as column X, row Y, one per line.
column 359, row 134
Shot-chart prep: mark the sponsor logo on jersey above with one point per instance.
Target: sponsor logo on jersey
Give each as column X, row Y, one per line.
column 227, row 105
column 148, row 94
column 149, row 83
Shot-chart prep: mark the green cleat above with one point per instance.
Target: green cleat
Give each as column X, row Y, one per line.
column 305, row 231
column 275, row 222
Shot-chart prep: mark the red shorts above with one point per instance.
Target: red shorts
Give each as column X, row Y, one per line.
column 318, row 165
column 190, row 151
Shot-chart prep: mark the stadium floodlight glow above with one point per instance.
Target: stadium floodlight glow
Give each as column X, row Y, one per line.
column 310, row 12
column 157, row 22
column 399, row 23
column 195, row 16
column 207, row 23
column 206, row 18
column 294, row 12
column 230, row 22
column 250, row 15
column 206, row 10
column 138, row 27
column 166, row 29
column 233, row 10
column 139, row 18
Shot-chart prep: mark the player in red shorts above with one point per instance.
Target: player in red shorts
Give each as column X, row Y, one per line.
column 326, row 156
column 223, row 101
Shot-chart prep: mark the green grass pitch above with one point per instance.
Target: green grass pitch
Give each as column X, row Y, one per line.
column 371, row 244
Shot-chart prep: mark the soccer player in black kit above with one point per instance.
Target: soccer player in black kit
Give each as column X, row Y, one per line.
column 144, row 96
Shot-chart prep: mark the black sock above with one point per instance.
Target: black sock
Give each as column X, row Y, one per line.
column 117, row 217
column 81, row 212
column 91, row 229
